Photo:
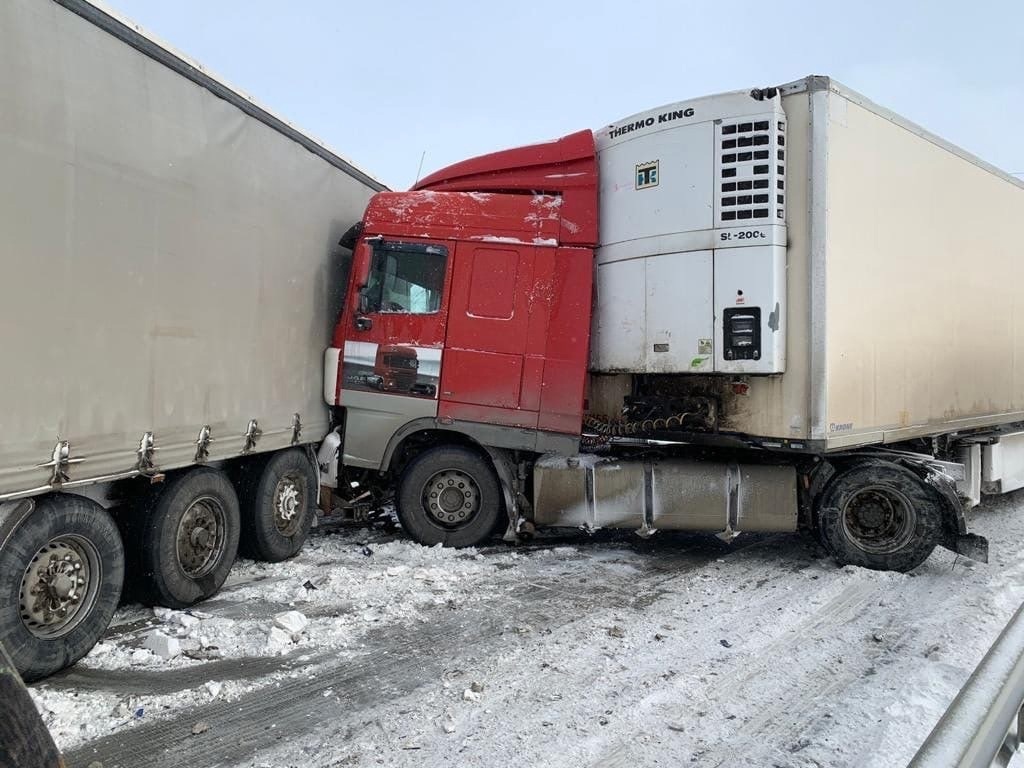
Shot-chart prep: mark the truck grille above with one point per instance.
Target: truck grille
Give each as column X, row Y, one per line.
column 751, row 171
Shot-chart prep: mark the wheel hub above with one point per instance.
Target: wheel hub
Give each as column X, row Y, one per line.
column 451, row 498
column 59, row 586
column 288, row 503
column 289, row 500
column 879, row 519
column 201, row 537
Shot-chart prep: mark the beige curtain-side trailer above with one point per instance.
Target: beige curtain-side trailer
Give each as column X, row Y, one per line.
column 166, row 244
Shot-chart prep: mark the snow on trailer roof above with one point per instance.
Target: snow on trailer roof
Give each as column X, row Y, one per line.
column 126, row 30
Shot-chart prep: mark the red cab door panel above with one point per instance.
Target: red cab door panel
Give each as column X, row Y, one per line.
column 487, row 323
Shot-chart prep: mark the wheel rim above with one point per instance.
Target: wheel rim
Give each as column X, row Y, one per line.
column 879, row 519
column 451, row 498
column 201, row 537
column 289, row 503
column 59, row 586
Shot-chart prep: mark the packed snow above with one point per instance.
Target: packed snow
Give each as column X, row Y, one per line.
column 575, row 650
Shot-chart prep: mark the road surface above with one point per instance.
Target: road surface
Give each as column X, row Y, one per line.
column 606, row 650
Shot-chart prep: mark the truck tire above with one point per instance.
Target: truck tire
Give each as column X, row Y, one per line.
column 189, row 539
column 61, row 571
column 880, row 515
column 450, row 495
column 278, row 500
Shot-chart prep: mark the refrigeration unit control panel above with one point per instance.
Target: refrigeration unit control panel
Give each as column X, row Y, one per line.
column 691, row 274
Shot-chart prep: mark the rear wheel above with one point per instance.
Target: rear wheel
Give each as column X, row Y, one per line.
column 450, row 495
column 880, row 515
column 61, row 571
column 277, row 506
column 190, row 539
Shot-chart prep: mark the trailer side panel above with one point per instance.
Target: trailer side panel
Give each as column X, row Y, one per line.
column 166, row 260
column 925, row 318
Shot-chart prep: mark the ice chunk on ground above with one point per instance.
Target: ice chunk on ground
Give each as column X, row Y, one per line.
column 162, row 645
column 292, row 622
column 278, row 638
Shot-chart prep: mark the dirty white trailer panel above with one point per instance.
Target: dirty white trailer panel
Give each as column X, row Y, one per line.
column 884, row 263
column 167, row 256
column 916, row 264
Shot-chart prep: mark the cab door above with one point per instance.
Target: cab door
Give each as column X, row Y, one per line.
column 391, row 363
column 489, row 377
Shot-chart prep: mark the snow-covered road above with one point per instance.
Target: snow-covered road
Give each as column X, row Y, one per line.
column 603, row 651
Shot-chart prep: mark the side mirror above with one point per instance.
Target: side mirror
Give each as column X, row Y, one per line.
column 361, row 265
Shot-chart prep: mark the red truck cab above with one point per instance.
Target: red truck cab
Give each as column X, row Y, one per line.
column 482, row 277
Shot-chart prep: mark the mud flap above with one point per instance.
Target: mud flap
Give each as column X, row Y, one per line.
column 942, row 476
column 971, row 545
column 505, row 468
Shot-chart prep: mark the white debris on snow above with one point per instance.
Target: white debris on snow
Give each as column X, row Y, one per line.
column 292, row 622
column 278, row 639
column 395, row 584
column 163, row 646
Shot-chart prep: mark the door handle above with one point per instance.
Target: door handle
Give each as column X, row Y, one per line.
column 363, row 323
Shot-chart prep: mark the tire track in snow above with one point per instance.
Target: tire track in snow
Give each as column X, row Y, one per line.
column 396, row 665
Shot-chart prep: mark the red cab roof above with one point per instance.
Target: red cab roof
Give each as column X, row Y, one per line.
column 481, row 216
column 566, row 168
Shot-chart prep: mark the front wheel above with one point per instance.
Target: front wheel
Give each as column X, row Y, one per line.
column 880, row 515
column 450, row 495
column 61, row 571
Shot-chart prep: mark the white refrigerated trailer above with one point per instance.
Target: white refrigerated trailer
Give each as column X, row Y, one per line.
column 807, row 315
column 170, row 281
column 882, row 262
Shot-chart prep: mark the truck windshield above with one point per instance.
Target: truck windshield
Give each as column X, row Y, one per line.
column 405, row 277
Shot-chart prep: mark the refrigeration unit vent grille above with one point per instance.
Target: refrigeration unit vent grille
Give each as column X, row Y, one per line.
column 750, row 166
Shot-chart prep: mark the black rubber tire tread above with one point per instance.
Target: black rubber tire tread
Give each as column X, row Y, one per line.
column 162, row 579
column 260, row 538
column 415, row 519
column 926, row 501
column 55, row 515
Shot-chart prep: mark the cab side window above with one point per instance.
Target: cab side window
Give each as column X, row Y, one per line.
column 405, row 278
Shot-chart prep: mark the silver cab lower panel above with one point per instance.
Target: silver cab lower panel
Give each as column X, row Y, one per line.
column 667, row 493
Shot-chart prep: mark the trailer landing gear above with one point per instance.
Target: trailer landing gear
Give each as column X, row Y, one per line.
column 880, row 515
column 450, row 495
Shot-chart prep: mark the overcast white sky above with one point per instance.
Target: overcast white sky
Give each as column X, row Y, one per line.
column 382, row 82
